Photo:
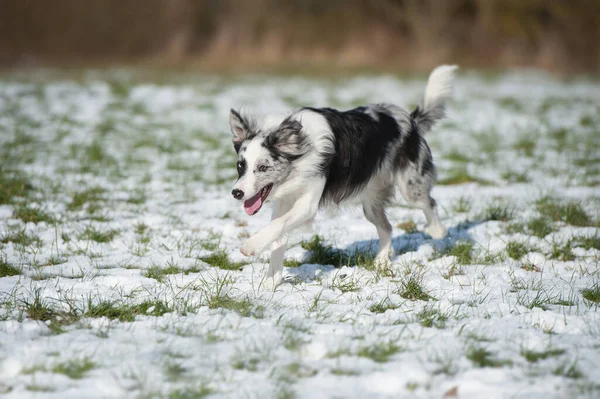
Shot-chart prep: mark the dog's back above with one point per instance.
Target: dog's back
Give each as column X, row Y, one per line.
column 380, row 137
column 361, row 138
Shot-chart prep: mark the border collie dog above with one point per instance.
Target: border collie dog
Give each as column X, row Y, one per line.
column 320, row 157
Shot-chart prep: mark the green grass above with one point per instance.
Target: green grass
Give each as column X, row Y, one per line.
column 592, row 293
column 75, row 369
column 515, row 177
column 516, row 227
column 499, row 212
column 220, row 259
column 137, row 197
column 13, row 185
column 194, row 392
column 569, row 371
column 292, row 263
column 173, row 371
column 412, row 289
column 525, row 145
column 462, row 251
column 322, row 254
column 516, row 250
column 39, row 308
column 21, row 237
column 586, row 121
column 383, row 306
column 457, row 156
column 586, row 242
column 430, row 317
column 379, row 352
column 463, row 205
column 461, row 176
column 158, row 273
column 30, row 214
column 344, row 285
column 140, row 228
column 541, row 300
column 247, row 363
column 126, row 312
column 571, row 212
column 93, row 234
column 487, row 142
column 563, row 302
column 562, row 252
column 294, row 371
column 534, row 356
column 481, row 357
column 6, row 269
column 244, row 307
column 96, row 159
column 88, row 196
column 540, row 227
column 511, row 103
column 344, row 372
column 39, row 388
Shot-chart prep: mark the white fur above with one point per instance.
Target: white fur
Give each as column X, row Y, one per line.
column 439, row 86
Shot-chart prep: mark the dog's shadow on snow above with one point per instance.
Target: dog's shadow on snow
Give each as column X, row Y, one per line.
column 401, row 244
column 410, row 242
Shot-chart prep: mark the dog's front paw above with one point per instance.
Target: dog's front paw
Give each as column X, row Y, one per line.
column 251, row 247
column 437, row 232
column 382, row 262
column 269, row 283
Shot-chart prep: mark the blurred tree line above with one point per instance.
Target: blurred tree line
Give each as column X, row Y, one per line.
column 558, row 35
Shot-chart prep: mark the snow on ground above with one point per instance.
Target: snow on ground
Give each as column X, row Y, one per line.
column 120, row 271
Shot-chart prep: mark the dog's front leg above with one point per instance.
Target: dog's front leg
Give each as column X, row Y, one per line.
column 302, row 210
column 273, row 276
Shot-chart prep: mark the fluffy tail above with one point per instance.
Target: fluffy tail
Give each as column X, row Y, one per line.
column 439, row 89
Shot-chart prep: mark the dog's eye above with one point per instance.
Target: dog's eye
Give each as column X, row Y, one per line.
column 263, row 168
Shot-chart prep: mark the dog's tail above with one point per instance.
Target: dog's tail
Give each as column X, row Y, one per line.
column 439, row 89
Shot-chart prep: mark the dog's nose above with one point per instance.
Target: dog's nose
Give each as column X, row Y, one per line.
column 237, row 194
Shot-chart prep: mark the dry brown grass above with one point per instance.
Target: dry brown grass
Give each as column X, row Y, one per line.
column 407, row 34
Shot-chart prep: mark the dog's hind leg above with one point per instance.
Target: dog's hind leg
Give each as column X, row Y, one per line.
column 416, row 190
column 376, row 196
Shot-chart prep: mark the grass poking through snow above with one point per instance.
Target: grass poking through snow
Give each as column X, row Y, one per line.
column 412, row 289
column 482, row 357
column 101, row 236
column 592, row 293
column 570, row 212
column 7, row 270
column 516, row 250
column 534, row 356
column 220, row 259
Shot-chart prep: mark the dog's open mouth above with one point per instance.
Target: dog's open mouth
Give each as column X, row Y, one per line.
column 253, row 205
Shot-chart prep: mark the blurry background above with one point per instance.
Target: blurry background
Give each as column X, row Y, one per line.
column 559, row 36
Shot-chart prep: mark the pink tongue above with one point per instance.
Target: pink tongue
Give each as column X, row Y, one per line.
column 252, row 205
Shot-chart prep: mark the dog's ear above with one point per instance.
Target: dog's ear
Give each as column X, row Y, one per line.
column 289, row 140
column 239, row 129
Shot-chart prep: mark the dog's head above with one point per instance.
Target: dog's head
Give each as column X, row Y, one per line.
column 265, row 157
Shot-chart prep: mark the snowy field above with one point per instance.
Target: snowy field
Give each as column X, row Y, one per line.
column 121, row 277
